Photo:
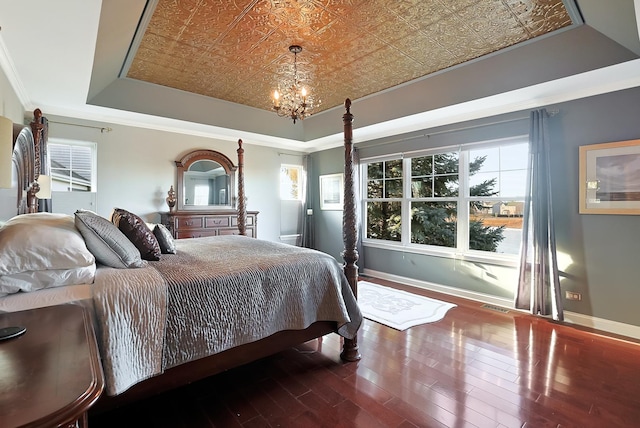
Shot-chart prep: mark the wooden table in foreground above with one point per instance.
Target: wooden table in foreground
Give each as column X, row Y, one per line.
column 51, row 374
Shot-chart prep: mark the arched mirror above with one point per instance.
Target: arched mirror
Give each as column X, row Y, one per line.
column 206, row 180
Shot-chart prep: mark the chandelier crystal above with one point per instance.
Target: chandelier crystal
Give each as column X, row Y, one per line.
column 291, row 99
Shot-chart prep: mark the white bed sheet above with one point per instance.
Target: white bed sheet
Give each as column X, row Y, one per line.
column 81, row 294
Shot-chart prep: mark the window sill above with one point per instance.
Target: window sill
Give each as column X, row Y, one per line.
column 472, row 256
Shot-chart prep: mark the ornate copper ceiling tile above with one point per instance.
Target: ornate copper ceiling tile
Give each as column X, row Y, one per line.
column 238, row 50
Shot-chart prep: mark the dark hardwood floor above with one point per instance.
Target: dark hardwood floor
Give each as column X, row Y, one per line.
column 475, row 368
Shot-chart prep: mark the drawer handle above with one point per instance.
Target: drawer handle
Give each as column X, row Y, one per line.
column 189, row 223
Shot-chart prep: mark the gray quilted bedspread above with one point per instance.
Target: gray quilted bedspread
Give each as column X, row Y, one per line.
column 214, row 294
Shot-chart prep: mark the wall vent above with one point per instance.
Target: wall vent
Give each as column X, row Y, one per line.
column 496, row 308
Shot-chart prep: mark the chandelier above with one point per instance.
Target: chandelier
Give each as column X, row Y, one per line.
column 291, row 98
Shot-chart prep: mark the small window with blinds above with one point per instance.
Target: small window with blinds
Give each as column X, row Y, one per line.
column 73, row 165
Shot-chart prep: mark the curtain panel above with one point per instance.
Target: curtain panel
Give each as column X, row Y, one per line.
column 538, row 281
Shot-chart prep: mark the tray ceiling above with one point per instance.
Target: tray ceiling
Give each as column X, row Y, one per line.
column 238, row 50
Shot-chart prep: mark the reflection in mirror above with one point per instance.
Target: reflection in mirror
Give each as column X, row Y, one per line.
column 206, row 180
column 206, row 183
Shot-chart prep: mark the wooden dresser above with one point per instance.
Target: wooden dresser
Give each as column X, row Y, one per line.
column 195, row 224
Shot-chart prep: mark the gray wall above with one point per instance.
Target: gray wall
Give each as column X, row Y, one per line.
column 603, row 250
column 12, row 109
column 326, row 225
column 598, row 253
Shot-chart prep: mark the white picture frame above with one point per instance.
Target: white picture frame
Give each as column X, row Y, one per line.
column 332, row 191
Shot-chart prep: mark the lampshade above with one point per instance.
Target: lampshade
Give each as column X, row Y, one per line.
column 6, row 152
column 45, row 187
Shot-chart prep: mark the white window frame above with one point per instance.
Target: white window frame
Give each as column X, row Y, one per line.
column 94, row 158
column 462, row 250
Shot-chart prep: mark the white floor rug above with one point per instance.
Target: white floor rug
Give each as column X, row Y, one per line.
column 398, row 309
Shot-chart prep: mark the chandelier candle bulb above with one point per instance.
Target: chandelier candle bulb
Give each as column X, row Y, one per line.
column 276, row 99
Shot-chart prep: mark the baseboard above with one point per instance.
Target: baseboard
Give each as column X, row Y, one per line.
column 618, row 328
column 615, row 327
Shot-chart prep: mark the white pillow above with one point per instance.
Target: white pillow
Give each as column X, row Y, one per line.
column 37, row 280
column 39, row 242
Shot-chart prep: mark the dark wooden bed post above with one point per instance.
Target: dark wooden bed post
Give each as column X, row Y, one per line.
column 242, row 202
column 349, row 225
column 36, row 131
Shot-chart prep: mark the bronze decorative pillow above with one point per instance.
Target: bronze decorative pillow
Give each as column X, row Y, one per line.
column 138, row 233
column 162, row 234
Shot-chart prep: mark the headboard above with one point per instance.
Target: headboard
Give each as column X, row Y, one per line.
column 27, row 161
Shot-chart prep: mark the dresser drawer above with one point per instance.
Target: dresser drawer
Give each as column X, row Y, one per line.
column 213, row 223
column 235, row 231
column 250, row 222
column 188, row 222
column 217, row 221
column 181, row 234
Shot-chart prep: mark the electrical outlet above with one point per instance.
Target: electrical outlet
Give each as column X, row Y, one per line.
column 572, row 295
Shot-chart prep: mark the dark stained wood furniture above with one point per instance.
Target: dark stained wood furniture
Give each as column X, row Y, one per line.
column 27, row 145
column 221, row 217
column 51, row 374
column 190, row 224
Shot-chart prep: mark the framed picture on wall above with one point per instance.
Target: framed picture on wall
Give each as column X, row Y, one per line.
column 331, row 191
column 610, row 178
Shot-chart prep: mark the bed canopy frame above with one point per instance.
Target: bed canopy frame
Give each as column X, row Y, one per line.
column 28, row 142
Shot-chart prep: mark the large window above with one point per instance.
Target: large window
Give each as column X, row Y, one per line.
column 464, row 201
column 72, row 165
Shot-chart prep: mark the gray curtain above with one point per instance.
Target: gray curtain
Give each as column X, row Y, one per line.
column 305, row 225
column 539, row 282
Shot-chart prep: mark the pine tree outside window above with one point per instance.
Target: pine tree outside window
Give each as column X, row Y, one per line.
column 463, row 201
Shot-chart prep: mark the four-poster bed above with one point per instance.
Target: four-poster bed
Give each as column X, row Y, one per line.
column 187, row 270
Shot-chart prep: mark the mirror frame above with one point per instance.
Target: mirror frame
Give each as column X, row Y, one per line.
column 187, row 160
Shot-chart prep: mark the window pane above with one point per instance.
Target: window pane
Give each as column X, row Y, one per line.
column 484, row 184
column 60, row 156
column 495, row 226
column 446, row 185
column 515, row 156
column 374, row 189
column 422, row 166
column 81, row 181
column 61, row 172
column 393, row 169
column 483, row 160
column 393, row 188
column 446, row 163
column 384, row 220
column 434, row 176
column 498, row 171
column 374, row 170
column 434, row 223
column 513, row 183
column 81, row 157
column 421, row 188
